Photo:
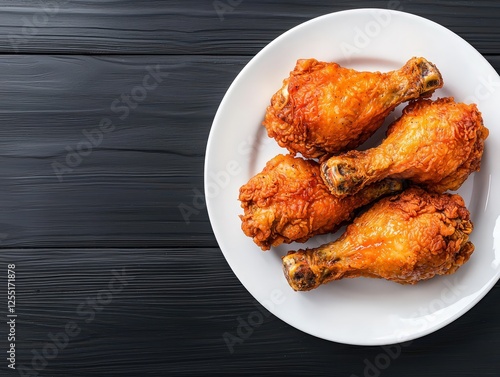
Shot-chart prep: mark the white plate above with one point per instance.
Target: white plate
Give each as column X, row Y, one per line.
column 354, row 311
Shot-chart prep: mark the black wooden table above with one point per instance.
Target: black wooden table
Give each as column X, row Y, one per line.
column 105, row 111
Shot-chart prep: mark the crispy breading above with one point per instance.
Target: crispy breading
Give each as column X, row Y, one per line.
column 435, row 144
column 406, row 238
column 288, row 201
column 324, row 108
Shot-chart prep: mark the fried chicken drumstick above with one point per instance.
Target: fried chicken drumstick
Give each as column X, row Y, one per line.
column 405, row 238
column 324, row 108
column 436, row 144
column 288, row 201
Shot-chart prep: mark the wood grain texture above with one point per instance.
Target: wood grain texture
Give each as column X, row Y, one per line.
column 197, row 27
column 115, row 214
column 171, row 314
column 127, row 189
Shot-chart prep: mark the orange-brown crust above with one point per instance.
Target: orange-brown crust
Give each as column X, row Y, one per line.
column 288, row 201
column 436, row 144
column 325, row 108
column 405, row 238
column 452, row 164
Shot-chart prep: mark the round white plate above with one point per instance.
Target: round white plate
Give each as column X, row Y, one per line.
column 354, row 311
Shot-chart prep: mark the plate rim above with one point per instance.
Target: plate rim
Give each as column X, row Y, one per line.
column 211, row 144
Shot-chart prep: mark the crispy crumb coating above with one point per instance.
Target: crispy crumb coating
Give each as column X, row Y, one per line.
column 288, row 201
column 324, row 108
column 405, row 238
column 435, row 144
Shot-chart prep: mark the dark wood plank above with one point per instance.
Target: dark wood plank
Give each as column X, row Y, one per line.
column 205, row 27
column 126, row 190
column 180, row 296
column 164, row 312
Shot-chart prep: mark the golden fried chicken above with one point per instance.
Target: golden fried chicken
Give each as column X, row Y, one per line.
column 405, row 238
column 436, row 144
column 324, row 108
column 288, row 201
